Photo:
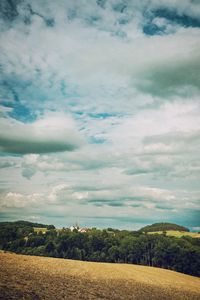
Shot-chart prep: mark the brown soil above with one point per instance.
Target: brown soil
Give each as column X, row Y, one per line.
column 30, row 277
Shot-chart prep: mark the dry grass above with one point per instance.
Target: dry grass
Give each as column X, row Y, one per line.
column 178, row 233
column 29, row 277
column 40, row 229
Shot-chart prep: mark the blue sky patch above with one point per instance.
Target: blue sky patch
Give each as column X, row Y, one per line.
column 184, row 20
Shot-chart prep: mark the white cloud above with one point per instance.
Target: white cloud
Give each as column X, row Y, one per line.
column 18, row 200
column 52, row 133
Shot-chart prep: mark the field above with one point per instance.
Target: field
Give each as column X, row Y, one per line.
column 178, row 233
column 40, row 229
column 30, row 277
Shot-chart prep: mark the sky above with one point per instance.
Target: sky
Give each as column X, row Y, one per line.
column 100, row 112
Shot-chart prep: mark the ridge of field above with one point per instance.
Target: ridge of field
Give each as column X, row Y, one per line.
column 178, row 234
column 30, row 277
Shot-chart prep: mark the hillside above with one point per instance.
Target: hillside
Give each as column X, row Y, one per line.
column 22, row 224
column 52, row 278
column 163, row 227
column 10, row 231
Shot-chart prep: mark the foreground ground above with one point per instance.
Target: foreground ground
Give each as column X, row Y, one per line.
column 30, row 277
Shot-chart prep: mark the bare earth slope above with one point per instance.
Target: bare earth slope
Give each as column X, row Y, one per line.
column 30, row 277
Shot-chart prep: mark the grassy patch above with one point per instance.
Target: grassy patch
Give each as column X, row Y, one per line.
column 178, row 233
column 42, row 230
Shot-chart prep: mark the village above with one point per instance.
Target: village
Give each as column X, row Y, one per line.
column 72, row 228
column 79, row 229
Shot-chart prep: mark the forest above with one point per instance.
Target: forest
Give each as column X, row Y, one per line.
column 107, row 245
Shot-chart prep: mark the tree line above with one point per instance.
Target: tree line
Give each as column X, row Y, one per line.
column 108, row 245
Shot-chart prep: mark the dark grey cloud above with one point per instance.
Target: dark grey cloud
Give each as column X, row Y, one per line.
column 109, row 202
column 6, row 164
column 172, row 78
column 163, row 207
column 24, row 146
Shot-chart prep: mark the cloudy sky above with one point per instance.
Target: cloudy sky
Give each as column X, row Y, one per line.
column 100, row 112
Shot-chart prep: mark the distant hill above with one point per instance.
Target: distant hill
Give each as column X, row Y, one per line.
column 20, row 224
column 163, row 227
